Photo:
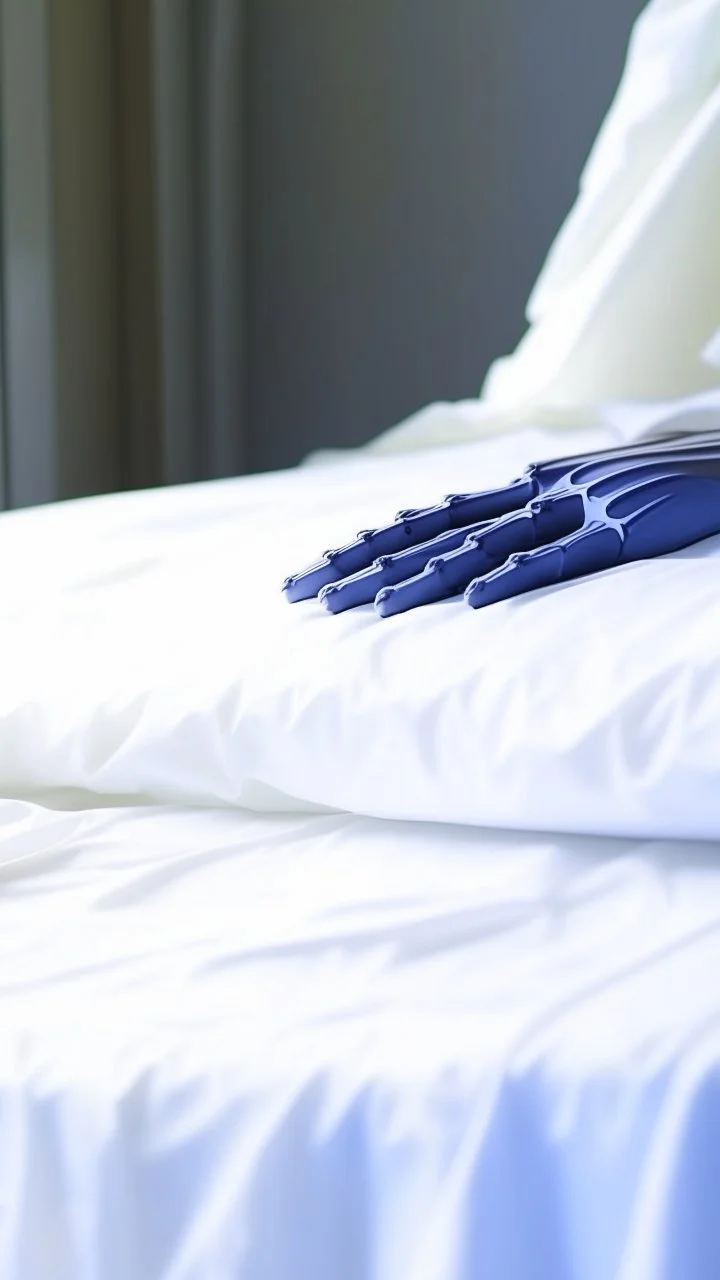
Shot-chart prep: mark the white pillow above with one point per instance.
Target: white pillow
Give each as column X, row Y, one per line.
column 148, row 652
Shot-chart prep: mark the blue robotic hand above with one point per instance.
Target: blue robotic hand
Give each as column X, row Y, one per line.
column 560, row 520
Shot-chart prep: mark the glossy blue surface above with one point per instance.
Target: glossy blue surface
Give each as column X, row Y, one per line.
column 560, row 520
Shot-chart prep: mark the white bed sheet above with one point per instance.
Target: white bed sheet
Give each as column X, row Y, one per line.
column 246, row 1046
column 148, row 653
column 262, row 1047
column 271, row 1046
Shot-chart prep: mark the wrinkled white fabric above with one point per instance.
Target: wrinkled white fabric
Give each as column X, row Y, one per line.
column 148, row 652
column 241, row 1047
column 628, row 302
column 276, row 1045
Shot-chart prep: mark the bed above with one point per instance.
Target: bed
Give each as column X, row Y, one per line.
column 347, row 947
column 267, row 1015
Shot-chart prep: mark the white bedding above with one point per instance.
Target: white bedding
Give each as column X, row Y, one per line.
column 148, row 653
column 246, row 1036
column 274, row 1045
column 259, row 1047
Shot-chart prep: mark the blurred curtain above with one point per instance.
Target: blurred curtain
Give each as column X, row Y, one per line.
column 121, row 244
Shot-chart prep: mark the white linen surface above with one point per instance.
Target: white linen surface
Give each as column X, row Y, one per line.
column 148, row 653
column 262, row 1047
column 307, row 1043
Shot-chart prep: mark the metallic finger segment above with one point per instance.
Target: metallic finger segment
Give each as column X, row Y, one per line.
column 443, row 577
column 588, row 550
column 362, row 588
column 449, row 574
column 410, row 529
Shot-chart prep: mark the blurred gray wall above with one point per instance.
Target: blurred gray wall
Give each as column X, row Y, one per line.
column 232, row 231
column 409, row 162
column 122, row 191
column 60, row 386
